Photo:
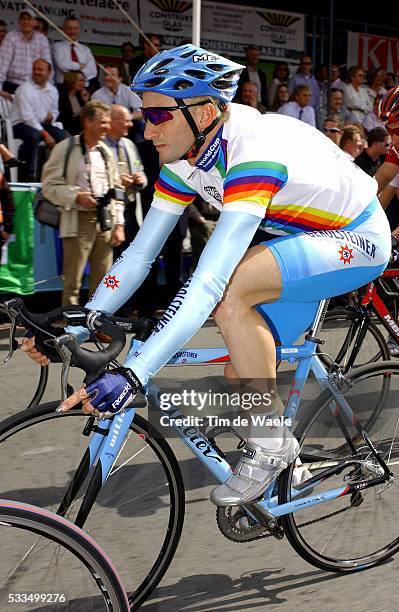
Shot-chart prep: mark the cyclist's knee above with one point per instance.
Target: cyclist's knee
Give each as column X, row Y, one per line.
column 229, row 372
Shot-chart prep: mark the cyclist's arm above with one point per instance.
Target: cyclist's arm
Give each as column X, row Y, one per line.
column 200, row 294
column 384, row 175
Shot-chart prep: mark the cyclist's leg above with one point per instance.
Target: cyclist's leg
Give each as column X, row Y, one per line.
column 313, row 266
column 252, row 351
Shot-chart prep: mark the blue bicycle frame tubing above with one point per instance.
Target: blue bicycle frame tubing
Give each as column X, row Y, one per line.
column 105, row 448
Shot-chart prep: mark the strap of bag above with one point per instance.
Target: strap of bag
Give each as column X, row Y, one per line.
column 71, row 143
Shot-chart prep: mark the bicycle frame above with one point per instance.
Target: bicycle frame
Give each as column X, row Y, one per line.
column 372, row 300
column 108, row 441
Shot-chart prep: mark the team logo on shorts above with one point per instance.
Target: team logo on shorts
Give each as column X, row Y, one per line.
column 346, row 254
column 111, row 282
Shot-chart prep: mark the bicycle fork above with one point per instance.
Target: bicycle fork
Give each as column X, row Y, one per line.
column 101, row 453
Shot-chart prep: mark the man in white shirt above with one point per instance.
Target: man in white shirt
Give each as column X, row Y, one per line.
column 115, row 92
column 34, row 114
column 20, row 48
column 351, row 142
column 300, row 108
column 74, row 56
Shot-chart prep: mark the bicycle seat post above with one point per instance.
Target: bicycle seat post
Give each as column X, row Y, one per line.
column 318, row 322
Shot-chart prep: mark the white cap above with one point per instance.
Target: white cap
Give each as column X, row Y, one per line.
column 29, row 11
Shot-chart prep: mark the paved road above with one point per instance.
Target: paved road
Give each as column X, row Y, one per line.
column 209, row 573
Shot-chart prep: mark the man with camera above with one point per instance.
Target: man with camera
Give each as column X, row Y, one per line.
column 90, row 200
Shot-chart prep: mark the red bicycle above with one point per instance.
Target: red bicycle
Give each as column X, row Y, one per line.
column 368, row 330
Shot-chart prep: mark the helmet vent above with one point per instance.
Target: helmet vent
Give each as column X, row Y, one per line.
column 154, row 82
column 160, row 71
column 216, row 67
column 187, row 53
column 183, row 84
column 161, row 64
column 196, row 74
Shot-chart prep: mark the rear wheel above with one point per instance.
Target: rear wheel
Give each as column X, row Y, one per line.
column 358, row 530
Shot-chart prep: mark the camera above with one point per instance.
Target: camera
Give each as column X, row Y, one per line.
column 103, row 211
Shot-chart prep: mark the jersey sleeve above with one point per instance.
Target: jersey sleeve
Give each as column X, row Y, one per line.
column 393, row 155
column 172, row 193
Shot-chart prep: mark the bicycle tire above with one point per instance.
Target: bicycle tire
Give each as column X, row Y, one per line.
column 62, row 533
column 148, row 437
column 323, row 446
column 373, row 347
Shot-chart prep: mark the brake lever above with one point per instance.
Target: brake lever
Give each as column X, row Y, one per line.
column 12, row 342
column 60, row 344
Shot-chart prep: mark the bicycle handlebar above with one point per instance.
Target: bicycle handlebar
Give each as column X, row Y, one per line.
column 64, row 347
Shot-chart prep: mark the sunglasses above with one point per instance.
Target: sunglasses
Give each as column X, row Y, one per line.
column 392, row 131
column 306, row 63
column 331, row 130
column 160, row 114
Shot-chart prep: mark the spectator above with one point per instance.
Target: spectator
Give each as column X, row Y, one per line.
column 74, row 56
column 91, row 174
column 371, row 120
column 19, row 50
column 378, row 143
column 114, row 92
column 356, row 97
column 7, row 159
column 149, row 50
column 336, row 81
column 127, row 53
column 280, row 75
column 375, row 81
column 322, row 80
column 41, row 26
column 73, row 97
column 7, row 209
column 254, row 74
column 130, row 168
column 336, row 108
column 351, row 141
column 332, row 128
column 300, row 107
column 3, row 30
column 391, row 80
column 34, row 114
column 281, row 96
column 248, row 95
column 304, row 76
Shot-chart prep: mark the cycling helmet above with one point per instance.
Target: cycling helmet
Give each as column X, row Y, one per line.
column 388, row 110
column 187, row 72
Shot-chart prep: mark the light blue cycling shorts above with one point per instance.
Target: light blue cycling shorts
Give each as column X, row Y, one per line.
column 325, row 263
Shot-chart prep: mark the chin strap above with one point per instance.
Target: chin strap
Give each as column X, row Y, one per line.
column 200, row 137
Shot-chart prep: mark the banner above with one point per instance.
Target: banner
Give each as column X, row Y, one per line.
column 101, row 21
column 227, row 28
column 16, row 264
column 371, row 51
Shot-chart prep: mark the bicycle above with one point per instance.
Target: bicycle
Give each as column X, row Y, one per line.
column 360, row 340
column 349, row 445
column 46, row 560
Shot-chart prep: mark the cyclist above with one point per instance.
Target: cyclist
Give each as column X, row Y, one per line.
column 268, row 170
column 389, row 115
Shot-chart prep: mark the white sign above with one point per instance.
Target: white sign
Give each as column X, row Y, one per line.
column 101, row 21
column 227, row 28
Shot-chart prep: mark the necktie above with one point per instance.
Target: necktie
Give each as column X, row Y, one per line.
column 300, row 114
column 74, row 55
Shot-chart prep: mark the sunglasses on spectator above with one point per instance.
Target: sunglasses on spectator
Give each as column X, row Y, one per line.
column 331, row 130
column 160, row 114
column 307, row 63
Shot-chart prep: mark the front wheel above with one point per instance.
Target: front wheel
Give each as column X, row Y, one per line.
column 138, row 514
column 356, row 531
